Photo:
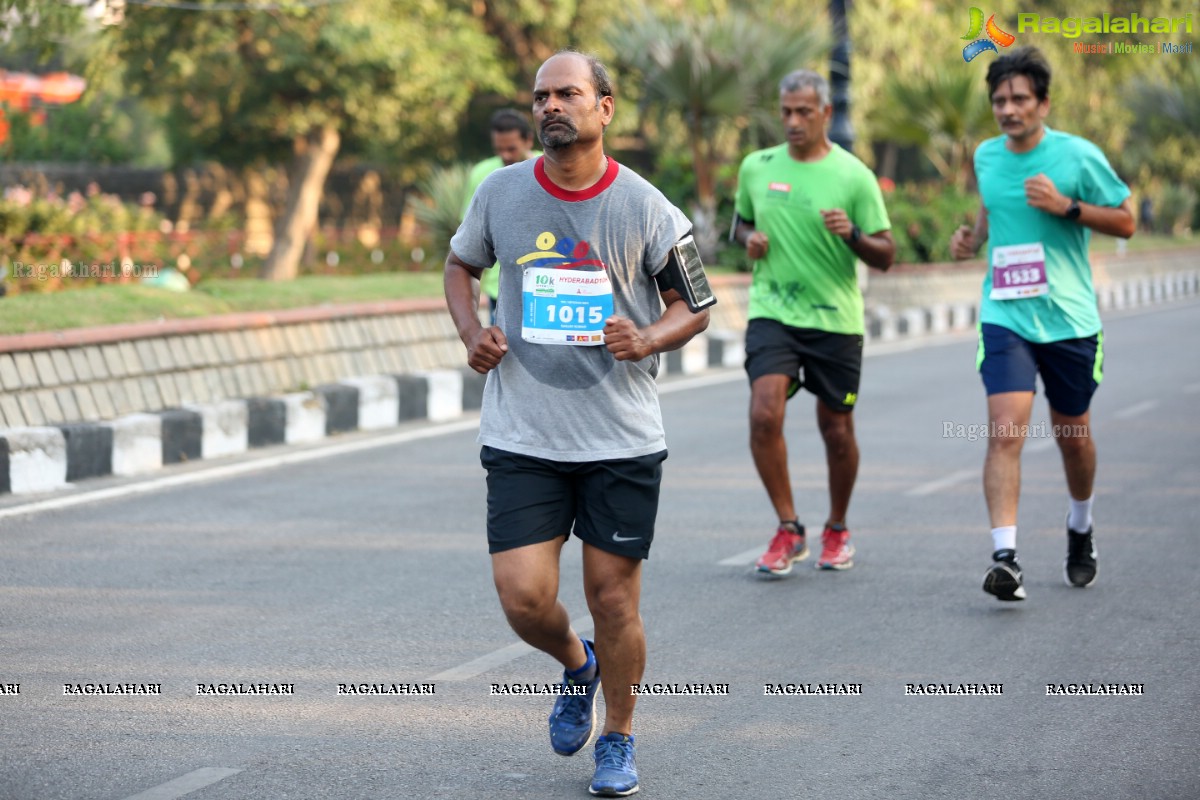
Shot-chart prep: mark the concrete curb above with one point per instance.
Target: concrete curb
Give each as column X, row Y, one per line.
column 37, row 459
column 137, row 443
column 43, row 459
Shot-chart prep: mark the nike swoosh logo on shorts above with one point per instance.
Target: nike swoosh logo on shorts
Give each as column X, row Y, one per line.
column 619, row 538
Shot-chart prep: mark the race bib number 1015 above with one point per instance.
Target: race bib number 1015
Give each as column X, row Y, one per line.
column 565, row 306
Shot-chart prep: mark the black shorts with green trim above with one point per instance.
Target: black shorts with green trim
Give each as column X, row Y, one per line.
column 827, row 364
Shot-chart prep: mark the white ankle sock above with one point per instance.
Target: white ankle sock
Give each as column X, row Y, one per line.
column 1004, row 538
column 1080, row 517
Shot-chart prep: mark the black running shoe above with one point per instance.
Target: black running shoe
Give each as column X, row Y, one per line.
column 1003, row 578
column 1080, row 569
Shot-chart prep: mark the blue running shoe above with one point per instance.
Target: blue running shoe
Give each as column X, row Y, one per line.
column 573, row 720
column 616, row 768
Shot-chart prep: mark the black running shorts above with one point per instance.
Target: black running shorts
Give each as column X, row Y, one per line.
column 611, row 505
column 827, row 364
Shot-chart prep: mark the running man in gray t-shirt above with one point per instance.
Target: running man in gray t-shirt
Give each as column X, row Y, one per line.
column 571, row 430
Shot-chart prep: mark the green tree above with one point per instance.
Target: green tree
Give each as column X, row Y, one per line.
column 1164, row 142
column 40, row 26
column 886, row 44
column 97, row 129
column 898, row 41
column 715, row 73
column 530, row 31
column 944, row 113
column 247, row 86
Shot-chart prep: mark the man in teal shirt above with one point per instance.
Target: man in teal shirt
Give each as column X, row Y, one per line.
column 1043, row 192
column 512, row 142
column 807, row 212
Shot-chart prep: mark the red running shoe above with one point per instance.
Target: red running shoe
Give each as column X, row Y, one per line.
column 788, row 547
column 836, row 550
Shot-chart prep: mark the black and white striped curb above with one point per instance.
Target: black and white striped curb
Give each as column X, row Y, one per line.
column 43, row 459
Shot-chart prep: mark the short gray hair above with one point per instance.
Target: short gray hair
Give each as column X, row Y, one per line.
column 806, row 79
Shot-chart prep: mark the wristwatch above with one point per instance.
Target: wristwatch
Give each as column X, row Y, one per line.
column 1073, row 210
column 856, row 234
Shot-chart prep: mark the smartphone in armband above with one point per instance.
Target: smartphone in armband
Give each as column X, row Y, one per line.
column 733, row 226
column 684, row 273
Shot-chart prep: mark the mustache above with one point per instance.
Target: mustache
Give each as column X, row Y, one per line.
column 547, row 121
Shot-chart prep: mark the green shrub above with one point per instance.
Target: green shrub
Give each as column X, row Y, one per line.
column 438, row 207
column 1174, row 209
column 84, row 239
column 96, row 132
column 924, row 216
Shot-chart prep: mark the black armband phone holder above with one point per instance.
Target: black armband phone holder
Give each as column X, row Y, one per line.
column 684, row 273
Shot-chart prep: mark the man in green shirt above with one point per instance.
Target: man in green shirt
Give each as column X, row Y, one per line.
column 512, row 142
column 1042, row 192
column 807, row 212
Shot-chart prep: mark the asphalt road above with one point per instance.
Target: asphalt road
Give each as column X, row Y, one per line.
column 364, row 562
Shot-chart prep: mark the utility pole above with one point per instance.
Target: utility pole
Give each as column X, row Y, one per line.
column 840, row 129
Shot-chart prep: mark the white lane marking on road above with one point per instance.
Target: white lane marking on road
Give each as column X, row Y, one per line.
column 1136, row 409
column 185, row 784
column 502, row 656
column 742, row 559
column 1192, row 388
column 942, row 483
column 230, row 470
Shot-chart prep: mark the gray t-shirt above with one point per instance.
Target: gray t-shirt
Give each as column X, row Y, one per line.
column 564, row 402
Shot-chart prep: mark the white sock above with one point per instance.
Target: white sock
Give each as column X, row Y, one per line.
column 1080, row 517
column 1004, row 538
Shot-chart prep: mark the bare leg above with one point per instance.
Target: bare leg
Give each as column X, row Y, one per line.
column 1078, row 448
column 768, row 398
column 613, row 585
column 841, row 457
column 527, row 582
column 1008, row 416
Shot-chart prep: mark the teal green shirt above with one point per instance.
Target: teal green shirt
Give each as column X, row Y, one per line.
column 807, row 278
column 1080, row 171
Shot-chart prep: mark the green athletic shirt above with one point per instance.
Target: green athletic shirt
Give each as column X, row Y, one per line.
column 1080, row 171
column 807, row 279
column 489, row 283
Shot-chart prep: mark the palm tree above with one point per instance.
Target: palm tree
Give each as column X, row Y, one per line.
column 715, row 74
column 945, row 113
column 438, row 206
column 1166, row 115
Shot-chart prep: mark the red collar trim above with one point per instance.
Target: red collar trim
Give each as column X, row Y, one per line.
column 606, row 180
